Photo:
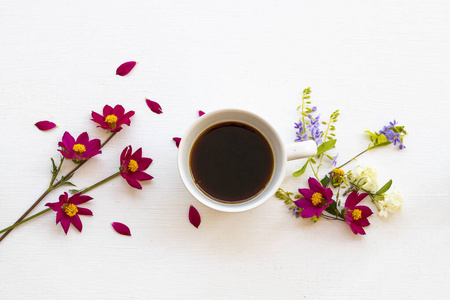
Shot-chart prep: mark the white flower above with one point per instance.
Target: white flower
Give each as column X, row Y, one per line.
column 392, row 203
column 366, row 177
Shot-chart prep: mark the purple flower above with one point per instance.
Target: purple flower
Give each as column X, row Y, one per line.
column 301, row 136
column 68, row 211
column 132, row 167
column 393, row 133
column 317, row 198
column 356, row 215
column 80, row 149
column 113, row 118
column 334, row 163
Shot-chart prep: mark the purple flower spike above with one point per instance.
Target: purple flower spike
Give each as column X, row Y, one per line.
column 154, row 106
column 121, row 228
column 201, row 113
column 177, row 141
column 45, row 125
column 125, row 68
column 194, row 216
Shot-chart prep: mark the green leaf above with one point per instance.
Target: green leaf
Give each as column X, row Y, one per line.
column 325, row 147
column 384, row 188
column 332, row 209
column 325, row 181
column 301, row 171
column 373, row 136
column 65, row 181
column 381, row 139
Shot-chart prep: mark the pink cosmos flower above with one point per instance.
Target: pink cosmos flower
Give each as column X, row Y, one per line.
column 80, row 149
column 113, row 118
column 317, row 198
column 132, row 167
column 356, row 215
column 125, row 68
column 68, row 211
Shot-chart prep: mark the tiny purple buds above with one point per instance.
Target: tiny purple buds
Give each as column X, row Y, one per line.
column 154, row 106
column 177, row 141
column 194, row 216
column 121, row 228
column 201, row 113
column 45, row 125
column 125, row 68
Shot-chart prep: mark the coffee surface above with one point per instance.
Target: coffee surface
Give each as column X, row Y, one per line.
column 231, row 162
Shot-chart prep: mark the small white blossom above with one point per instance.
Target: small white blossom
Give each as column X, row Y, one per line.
column 392, row 203
column 366, row 177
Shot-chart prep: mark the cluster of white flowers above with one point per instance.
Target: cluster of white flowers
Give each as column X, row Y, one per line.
column 366, row 177
column 392, row 203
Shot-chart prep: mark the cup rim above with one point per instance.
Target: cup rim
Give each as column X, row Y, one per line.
column 184, row 153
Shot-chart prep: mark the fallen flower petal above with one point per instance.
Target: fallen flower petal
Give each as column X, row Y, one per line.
column 201, row 113
column 177, row 141
column 194, row 216
column 121, row 228
column 45, row 125
column 154, row 106
column 125, row 68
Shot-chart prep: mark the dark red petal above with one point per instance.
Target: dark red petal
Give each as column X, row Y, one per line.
column 78, row 199
column 307, row 193
column 45, row 125
column 144, row 163
column 98, row 118
column 121, row 228
column 303, row 203
column 137, row 156
column 177, row 141
column 194, row 216
column 201, row 113
column 125, row 68
column 76, row 221
column 308, row 212
column 154, row 106
column 141, row 176
column 68, row 140
column 84, row 211
column 107, row 110
column 55, row 206
column 132, row 182
column 65, row 222
column 83, row 139
column 118, row 111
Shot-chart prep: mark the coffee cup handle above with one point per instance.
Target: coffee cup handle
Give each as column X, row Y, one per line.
column 301, row 150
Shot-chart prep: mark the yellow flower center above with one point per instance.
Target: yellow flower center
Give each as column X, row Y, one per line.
column 356, row 214
column 317, row 199
column 70, row 209
column 338, row 172
column 133, row 165
column 111, row 120
column 79, row 148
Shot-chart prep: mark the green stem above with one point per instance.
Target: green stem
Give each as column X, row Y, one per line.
column 52, row 187
column 352, row 158
column 324, row 139
column 100, row 182
column 26, row 220
column 312, row 168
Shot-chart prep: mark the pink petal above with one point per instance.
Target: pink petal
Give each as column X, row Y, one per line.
column 125, row 68
column 154, row 106
column 201, row 113
column 194, row 216
column 177, row 141
column 121, row 228
column 45, row 125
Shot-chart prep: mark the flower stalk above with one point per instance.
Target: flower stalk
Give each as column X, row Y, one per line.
column 53, row 185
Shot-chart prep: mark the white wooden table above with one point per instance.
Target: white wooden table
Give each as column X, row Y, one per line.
column 374, row 60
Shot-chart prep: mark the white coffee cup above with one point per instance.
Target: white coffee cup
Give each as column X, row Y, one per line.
column 282, row 153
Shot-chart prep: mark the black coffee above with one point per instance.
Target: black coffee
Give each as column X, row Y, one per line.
column 231, row 162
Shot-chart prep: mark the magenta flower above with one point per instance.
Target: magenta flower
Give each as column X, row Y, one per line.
column 68, row 211
column 80, row 149
column 194, row 216
column 154, row 106
column 125, row 68
column 45, row 125
column 356, row 215
column 113, row 118
column 132, row 167
column 121, row 228
column 317, row 198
